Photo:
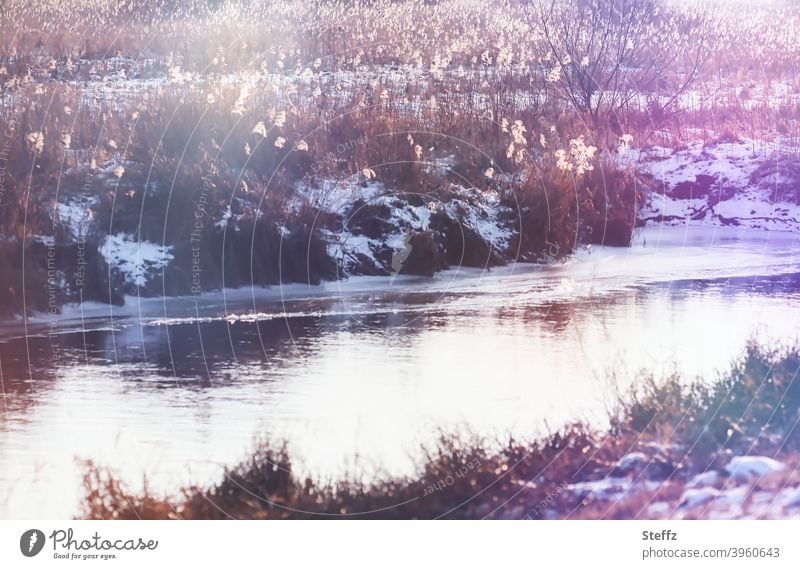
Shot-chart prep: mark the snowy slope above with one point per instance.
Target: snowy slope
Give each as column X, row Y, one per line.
column 732, row 183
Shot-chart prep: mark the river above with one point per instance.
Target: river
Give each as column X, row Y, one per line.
column 356, row 376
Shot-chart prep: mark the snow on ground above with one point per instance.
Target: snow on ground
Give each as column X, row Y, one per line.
column 741, row 183
column 695, row 497
column 76, row 216
column 709, row 478
column 137, row 261
column 632, row 460
column 336, row 196
column 748, row 467
column 481, row 212
column 712, row 494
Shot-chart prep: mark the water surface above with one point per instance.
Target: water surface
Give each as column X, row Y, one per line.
column 355, row 376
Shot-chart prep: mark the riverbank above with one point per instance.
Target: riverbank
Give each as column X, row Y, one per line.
column 658, row 253
column 673, row 449
column 362, row 228
column 147, row 169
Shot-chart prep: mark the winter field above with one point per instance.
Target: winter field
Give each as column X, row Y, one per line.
column 410, row 259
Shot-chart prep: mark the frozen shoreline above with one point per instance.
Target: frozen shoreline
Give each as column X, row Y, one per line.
column 658, row 254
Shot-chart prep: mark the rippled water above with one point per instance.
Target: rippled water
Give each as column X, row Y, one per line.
column 355, row 376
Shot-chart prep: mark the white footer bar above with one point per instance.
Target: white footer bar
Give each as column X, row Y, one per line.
column 409, row 544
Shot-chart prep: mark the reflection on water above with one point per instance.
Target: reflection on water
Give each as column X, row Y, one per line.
column 357, row 381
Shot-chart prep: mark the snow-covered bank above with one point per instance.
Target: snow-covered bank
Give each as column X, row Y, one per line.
column 739, row 183
column 659, row 254
column 326, row 229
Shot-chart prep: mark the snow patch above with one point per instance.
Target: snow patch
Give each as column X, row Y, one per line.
column 632, row 460
column 136, row 260
column 694, row 497
column 710, row 478
column 745, row 183
column 747, row 467
column 76, row 216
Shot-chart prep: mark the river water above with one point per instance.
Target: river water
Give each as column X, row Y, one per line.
column 356, row 376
